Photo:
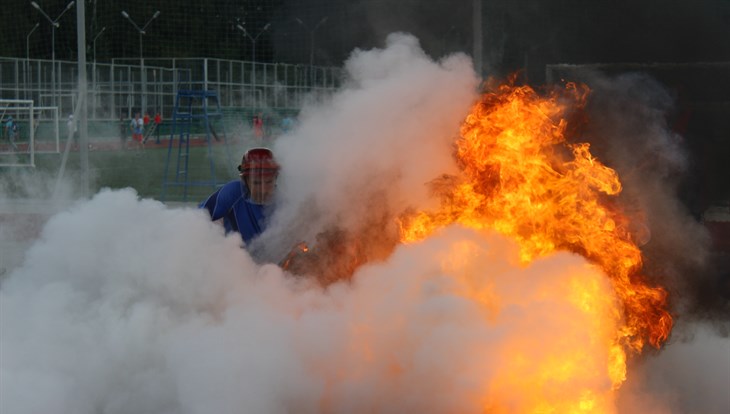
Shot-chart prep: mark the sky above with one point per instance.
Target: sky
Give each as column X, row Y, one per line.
column 124, row 304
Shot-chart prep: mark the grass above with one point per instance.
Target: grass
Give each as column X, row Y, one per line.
column 142, row 170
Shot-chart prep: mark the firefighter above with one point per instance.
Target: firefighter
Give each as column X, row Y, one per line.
column 245, row 204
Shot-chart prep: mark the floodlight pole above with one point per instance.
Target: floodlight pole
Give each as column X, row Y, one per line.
column 26, row 73
column 311, row 43
column 93, row 71
column 253, row 48
column 54, row 26
column 82, row 108
column 94, row 41
column 143, row 75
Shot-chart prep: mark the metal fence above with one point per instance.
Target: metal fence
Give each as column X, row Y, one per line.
column 124, row 86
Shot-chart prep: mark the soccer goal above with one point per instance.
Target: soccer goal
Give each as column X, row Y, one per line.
column 22, row 126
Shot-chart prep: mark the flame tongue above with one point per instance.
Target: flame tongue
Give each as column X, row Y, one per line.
column 521, row 178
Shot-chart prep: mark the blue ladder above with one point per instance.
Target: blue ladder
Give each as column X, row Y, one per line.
column 192, row 105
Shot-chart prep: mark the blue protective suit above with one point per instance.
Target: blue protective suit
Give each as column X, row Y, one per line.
column 231, row 203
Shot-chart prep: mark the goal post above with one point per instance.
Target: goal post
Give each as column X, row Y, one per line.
column 27, row 130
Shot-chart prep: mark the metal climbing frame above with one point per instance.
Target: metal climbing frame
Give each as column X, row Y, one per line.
column 193, row 108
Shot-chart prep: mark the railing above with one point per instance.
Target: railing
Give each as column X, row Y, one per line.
column 115, row 89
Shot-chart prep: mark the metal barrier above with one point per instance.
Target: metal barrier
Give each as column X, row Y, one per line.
column 115, row 90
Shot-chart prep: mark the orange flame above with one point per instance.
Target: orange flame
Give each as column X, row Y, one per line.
column 521, row 178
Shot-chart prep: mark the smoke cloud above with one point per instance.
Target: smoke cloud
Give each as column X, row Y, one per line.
column 372, row 148
column 125, row 305
column 154, row 311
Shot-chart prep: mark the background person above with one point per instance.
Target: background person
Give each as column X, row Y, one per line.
column 258, row 126
column 244, row 204
column 137, row 127
column 287, row 124
column 11, row 131
column 71, row 126
column 158, row 121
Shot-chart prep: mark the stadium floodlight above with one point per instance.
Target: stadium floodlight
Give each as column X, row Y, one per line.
column 54, row 25
column 253, row 44
column 27, row 54
column 142, row 32
column 94, row 41
column 311, row 44
column 93, row 70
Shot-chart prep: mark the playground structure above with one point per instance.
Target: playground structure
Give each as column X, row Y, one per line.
column 193, row 109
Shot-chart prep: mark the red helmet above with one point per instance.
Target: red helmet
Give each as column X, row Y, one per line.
column 259, row 171
column 258, row 161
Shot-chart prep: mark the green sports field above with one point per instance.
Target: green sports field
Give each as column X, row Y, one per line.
column 143, row 170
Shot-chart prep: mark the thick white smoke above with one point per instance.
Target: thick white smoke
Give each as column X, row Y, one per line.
column 127, row 306
column 375, row 144
column 124, row 305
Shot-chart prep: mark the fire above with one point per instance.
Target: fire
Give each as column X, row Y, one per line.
column 520, row 177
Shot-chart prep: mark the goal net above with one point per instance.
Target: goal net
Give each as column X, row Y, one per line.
column 27, row 130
